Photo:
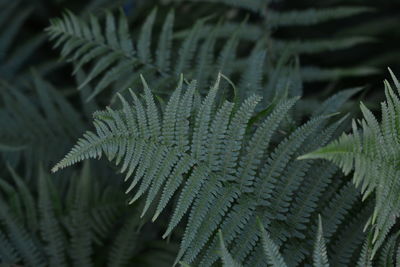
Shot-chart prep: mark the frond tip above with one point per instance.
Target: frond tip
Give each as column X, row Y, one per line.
column 320, row 256
column 227, row 259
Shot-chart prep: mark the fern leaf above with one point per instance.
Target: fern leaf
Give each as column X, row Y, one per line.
column 225, row 198
column 202, row 123
column 144, row 40
column 251, row 80
column 49, row 225
column 321, row 45
column 20, row 238
column 124, row 242
column 227, row 259
column 260, row 142
column 233, row 224
column 285, row 188
column 364, row 259
column 235, row 134
column 205, row 58
column 270, row 248
column 313, row 73
column 8, row 253
column 371, row 154
column 28, row 201
column 188, row 48
column 227, row 55
column 80, row 249
column 248, row 240
column 306, row 200
column 350, row 238
column 313, row 16
column 189, row 192
column 163, row 59
column 320, row 256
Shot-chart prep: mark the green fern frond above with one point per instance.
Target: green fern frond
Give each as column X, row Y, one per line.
column 78, row 224
column 271, row 250
column 84, row 42
column 226, row 176
column 371, row 152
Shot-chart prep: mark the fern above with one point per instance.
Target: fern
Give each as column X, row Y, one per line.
column 270, row 19
column 372, row 154
column 197, row 55
column 213, row 165
column 14, row 56
column 227, row 259
column 112, row 52
column 30, row 130
column 226, row 176
column 320, row 256
column 65, row 216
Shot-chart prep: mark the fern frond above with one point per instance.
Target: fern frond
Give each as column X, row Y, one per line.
column 372, row 154
column 112, row 58
column 227, row 177
column 312, row 16
column 321, row 45
column 20, row 237
column 386, row 256
column 84, row 42
column 27, row 201
column 124, row 243
column 78, row 224
column 50, row 227
column 312, row 73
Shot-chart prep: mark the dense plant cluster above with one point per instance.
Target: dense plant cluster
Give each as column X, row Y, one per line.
column 223, row 134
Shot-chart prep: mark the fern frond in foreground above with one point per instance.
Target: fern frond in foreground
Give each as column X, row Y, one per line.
column 224, row 170
column 373, row 153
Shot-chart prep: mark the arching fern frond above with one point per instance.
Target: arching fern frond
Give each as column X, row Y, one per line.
column 227, row 171
column 113, row 55
column 372, row 152
column 114, row 60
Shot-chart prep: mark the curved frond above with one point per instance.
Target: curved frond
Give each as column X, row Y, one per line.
column 372, row 152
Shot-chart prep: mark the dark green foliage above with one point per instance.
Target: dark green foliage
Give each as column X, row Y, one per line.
column 75, row 227
column 210, row 164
